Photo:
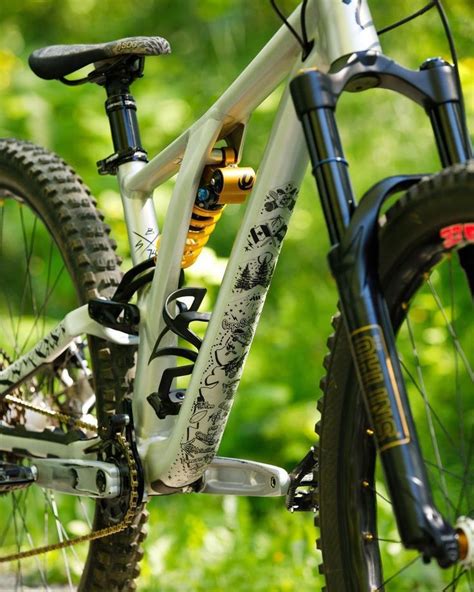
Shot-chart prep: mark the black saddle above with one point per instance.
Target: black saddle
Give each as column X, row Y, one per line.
column 57, row 61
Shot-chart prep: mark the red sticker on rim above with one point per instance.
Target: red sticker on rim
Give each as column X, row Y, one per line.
column 455, row 234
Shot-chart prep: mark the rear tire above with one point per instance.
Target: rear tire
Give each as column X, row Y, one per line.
column 55, row 254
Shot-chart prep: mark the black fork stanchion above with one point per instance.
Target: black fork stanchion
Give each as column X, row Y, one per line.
column 452, row 139
column 353, row 262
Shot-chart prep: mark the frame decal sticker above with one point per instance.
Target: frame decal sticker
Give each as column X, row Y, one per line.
column 38, row 356
column 257, row 272
column 281, row 198
column 226, row 359
column 146, row 242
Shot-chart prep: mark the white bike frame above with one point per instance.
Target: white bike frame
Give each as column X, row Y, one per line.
column 177, row 450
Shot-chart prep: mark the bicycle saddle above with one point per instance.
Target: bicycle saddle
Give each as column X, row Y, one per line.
column 57, row 61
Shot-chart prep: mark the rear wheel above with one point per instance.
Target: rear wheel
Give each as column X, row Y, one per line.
column 55, row 254
column 426, row 265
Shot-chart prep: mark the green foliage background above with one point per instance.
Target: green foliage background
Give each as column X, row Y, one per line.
column 215, row 543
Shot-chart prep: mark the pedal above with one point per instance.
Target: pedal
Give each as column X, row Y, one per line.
column 13, row 477
column 89, row 478
column 233, row 476
column 302, row 494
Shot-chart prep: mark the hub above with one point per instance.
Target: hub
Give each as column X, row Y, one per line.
column 465, row 536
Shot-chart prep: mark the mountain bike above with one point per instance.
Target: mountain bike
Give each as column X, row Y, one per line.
column 125, row 398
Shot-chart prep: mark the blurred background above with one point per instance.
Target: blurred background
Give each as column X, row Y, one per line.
column 198, row 543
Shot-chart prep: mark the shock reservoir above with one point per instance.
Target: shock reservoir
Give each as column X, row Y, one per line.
column 219, row 186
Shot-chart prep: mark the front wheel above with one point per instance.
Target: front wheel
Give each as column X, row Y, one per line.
column 426, row 266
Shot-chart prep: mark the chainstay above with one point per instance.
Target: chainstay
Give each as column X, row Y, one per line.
column 62, row 417
column 96, row 534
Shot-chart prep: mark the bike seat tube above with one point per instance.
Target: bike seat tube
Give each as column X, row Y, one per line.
column 121, row 110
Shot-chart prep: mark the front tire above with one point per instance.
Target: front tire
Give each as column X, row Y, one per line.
column 423, row 238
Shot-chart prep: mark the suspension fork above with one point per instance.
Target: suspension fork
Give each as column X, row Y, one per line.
column 353, row 262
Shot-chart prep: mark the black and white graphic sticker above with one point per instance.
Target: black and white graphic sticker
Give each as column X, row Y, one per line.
column 225, row 362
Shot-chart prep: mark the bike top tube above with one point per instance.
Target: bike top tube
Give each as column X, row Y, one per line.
column 340, row 29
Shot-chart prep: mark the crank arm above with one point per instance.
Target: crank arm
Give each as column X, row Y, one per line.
column 74, row 470
column 78, row 477
column 75, row 323
column 233, row 476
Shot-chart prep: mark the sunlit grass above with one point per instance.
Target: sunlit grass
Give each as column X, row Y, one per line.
column 216, row 543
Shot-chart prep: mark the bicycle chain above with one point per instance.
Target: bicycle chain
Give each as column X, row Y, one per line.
column 97, row 534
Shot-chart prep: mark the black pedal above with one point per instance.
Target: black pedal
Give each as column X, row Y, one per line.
column 13, row 477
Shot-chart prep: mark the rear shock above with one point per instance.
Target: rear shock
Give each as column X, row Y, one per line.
column 219, row 186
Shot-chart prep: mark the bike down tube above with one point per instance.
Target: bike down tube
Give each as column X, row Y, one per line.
column 177, row 454
column 190, row 152
column 354, row 265
column 137, row 180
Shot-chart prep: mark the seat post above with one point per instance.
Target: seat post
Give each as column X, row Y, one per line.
column 121, row 110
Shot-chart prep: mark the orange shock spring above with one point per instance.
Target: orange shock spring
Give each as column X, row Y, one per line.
column 219, row 186
column 201, row 227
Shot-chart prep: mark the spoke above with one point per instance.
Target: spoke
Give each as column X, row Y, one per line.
column 396, row 574
column 434, row 480
column 453, row 584
column 462, row 478
column 21, row 512
column 459, row 401
column 43, row 306
column 45, row 531
column 388, row 540
column 54, row 509
column 6, row 528
column 450, row 328
column 19, row 574
column 11, row 317
column 374, row 490
column 433, row 437
column 2, row 219
column 61, row 533
column 46, row 286
column 432, row 410
column 30, row 282
column 467, row 478
column 469, row 577
column 4, row 294
column 3, row 329
column 85, row 513
column 27, row 284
